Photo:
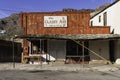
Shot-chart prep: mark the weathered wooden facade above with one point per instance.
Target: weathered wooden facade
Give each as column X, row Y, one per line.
column 57, row 23
column 77, row 23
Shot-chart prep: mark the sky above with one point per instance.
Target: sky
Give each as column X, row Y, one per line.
column 7, row 7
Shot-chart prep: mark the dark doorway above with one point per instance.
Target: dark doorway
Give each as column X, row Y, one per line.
column 74, row 51
column 111, row 50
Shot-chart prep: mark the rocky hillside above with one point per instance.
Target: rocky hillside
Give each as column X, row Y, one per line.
column 11, row 25
column 10, row 21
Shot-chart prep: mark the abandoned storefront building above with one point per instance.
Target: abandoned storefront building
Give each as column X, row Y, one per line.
column 64, row 36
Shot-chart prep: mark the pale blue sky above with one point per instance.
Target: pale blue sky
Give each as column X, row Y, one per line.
column 8, row 7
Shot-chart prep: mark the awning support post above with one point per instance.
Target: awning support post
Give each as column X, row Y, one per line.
column 40, row 53
column 13, row 53
column 49, row 55
column 83, row 54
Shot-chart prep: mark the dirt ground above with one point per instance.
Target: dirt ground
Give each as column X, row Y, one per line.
column 58, row 72
column 58, row 75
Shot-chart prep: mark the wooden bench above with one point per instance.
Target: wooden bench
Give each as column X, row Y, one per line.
column 27, row 58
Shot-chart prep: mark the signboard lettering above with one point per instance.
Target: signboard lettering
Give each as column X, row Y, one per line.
column 55, row 21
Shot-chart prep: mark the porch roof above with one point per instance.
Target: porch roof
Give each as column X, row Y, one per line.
column 71, row 36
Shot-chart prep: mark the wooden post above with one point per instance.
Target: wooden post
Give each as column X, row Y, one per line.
column 77, row 49
column 40, row 53
column 13, row 54
column 46, row 55
column 49, row 55
column 22, row 59
column 83, row 55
